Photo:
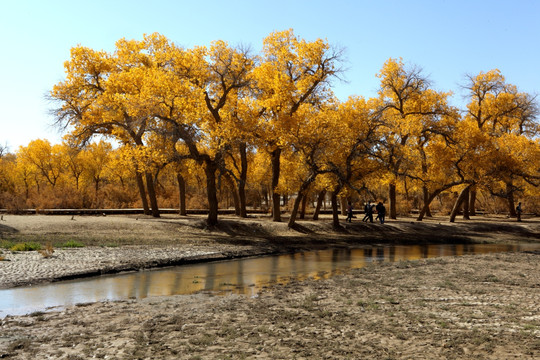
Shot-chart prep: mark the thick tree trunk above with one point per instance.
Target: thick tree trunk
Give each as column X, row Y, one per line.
column 243, row 180
column 472, row 201
column 276, row 208
column 303, row 208
column 142, row 192
column 335, row 214
column 294, row 211
column 302, row 193
column 466, row 200
column 392, row 199
column 320, row 200
column 266, row 197
column 510, row 199
column 181, row 194
column 236, row 198
column 427, row 201
column 211, row 192
column 343, row 201
column 152, row 194
column 462, row 196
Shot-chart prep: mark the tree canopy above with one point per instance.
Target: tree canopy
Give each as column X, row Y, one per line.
column 152, row 119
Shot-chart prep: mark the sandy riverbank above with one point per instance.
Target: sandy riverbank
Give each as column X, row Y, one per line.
column 122, row 243
column 459, row 307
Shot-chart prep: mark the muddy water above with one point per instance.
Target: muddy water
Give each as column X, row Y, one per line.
column 243, row 276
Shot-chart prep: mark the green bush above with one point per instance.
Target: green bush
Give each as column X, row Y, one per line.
column 26, row 247
column 5, row 244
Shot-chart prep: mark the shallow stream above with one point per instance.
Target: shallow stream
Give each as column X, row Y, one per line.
column 242, row 276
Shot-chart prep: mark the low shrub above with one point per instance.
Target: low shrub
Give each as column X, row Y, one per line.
column 26, row 247
column 5, row 244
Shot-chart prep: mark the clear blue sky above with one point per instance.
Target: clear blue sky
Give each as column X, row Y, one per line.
column 448, row 39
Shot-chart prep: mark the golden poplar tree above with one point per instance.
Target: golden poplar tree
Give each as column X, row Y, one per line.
column 409, row 107
column 510, row 120
column 292, row 73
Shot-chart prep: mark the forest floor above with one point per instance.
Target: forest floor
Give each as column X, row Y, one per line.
column 463, row 307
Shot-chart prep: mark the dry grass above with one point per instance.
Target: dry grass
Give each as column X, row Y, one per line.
column 48, row 251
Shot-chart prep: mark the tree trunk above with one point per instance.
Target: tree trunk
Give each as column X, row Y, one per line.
column 335, row 214
column 458, row 203
column 303, row 208
column 510, row 199
column 211, row 192
column 181, row 194
column 265, row 196
column 427, row 202
column 142, row 192
column 472, row 201
column 466, row 200
column 236, row 198
column 392, row 199
column 276, row 208
column 236, row 201
column 302, row 193
column 320, row 200
column 294, row 211
column 343, row 201
column 152, row 194
column 243, row 180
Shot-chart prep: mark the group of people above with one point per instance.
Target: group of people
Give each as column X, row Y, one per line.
column 369, row 209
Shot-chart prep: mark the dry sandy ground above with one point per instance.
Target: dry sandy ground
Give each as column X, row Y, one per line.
column 481, row 307
column 117, row 230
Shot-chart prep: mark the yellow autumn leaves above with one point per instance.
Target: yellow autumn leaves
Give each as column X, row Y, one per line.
column 270, row 121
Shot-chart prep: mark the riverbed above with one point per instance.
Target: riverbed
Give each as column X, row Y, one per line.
column 246, row 276
column 454, row 307
column 464, row 307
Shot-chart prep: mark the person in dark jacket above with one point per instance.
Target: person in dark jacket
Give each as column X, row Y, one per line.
column 368, row 210
column 381, row 211
column 349, row 212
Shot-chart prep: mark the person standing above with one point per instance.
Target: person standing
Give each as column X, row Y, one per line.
column 349, row 212
column 518, row 211
column 369, row 208
column 381, row 211
column 367, row 212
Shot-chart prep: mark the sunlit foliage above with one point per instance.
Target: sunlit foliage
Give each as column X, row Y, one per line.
column 217, row 126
